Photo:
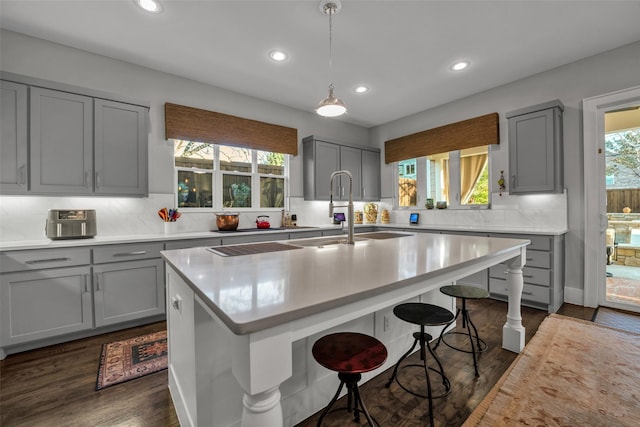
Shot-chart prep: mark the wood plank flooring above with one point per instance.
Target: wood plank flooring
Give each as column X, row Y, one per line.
column 55, row 386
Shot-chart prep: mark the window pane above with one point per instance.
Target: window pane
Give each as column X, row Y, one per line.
column 270, row 163
column 407, row 190
column 474, row 176
column 236, row 191
column 235, row 159
column 194, row 189
column 438, row 178
column 271, row 192
column 192, row 154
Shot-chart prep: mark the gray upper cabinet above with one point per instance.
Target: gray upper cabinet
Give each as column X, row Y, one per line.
column 61, row 142
column 370, row 175
column 13, row 140
column 321, row 158
column 350, row 160
column 120, row 148
column 535, row 149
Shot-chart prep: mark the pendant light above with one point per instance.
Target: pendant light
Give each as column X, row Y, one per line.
column 330, row 106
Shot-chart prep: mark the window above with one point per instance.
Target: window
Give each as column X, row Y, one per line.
column 221, row 176
column 459, row 178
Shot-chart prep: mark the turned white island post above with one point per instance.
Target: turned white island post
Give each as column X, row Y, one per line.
column 248, row 311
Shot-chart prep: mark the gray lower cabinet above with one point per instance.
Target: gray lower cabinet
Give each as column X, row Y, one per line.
column 535, row 149
column 13, row 138
column 61, row 142
column 53, row 295
column 543, row 274
column 44, row 293
column 45, row 303
column 126, row 291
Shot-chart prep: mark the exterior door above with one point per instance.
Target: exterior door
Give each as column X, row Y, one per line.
column 595, row 175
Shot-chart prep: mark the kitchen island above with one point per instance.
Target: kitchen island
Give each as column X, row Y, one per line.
column 240, row 326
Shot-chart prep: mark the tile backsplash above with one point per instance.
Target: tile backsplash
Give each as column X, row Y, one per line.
column 24, row 217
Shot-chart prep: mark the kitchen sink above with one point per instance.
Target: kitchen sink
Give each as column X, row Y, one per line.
column 326, row 241
column 381, row 235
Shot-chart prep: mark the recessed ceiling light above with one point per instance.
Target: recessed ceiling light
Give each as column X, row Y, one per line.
column 459, row 65
column 153, row 6
column 278, row 55
column 361, row 89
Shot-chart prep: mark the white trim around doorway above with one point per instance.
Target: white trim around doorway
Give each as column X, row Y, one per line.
column 593, row 110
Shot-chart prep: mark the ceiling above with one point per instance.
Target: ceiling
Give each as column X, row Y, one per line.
column 402, row 50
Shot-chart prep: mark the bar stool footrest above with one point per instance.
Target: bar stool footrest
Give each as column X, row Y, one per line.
column 475, row 338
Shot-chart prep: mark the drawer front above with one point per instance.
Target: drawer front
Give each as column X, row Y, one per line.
column 536, row 276
column 46, row 258
column 538, row 243
column 538, row 259
column 117, row 253
column 529, row 292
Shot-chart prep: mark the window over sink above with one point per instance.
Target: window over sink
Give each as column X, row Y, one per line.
column 458, row 178
column 214, row 176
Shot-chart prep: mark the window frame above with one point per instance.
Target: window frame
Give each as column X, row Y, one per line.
column 217, row 183
column 454, row 184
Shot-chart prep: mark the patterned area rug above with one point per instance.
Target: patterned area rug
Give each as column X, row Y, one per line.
column 126, row 360
column 572, row 373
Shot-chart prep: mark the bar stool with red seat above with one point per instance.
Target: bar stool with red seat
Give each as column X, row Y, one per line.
column 350, row 354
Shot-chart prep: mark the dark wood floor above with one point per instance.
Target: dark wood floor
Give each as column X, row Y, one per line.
column 55, row 386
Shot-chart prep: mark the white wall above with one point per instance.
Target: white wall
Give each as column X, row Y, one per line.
column 611, row 71
column 42, row 59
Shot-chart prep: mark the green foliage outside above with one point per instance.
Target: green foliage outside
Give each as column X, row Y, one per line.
column 623, row 153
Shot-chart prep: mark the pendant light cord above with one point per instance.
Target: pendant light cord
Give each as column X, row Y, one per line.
column 331, row 7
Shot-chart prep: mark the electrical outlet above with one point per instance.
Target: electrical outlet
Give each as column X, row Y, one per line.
column 385, row 323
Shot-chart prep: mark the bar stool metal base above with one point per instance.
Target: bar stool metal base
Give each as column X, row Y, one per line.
column 354, row 401
column 480, row 346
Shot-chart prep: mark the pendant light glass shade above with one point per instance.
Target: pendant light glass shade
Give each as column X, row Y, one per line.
column 331, row 106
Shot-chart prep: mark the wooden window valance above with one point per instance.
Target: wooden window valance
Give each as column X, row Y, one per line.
column 469, row 133
column 194, row 124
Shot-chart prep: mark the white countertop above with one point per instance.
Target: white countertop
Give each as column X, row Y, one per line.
column 45, row 243
column 253, row 292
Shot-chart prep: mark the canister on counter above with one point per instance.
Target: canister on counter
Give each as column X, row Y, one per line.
column 357, row 217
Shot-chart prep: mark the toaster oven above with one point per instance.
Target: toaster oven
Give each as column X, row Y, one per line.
column 71, row 224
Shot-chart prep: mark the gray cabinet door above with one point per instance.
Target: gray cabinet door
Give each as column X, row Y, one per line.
column 42, row 304
column 535, row 152
column 126, row 291
column 13, row 140
column 321, row 159
column 120, row 148
column 350, row 160
column 61, row 142
column 370, row 175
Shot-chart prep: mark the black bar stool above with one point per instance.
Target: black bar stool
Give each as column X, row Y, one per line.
column 424, row 315
column 350, row 354
column 465, row 292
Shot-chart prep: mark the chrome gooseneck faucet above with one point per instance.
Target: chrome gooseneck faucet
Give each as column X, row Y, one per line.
column 349, row 205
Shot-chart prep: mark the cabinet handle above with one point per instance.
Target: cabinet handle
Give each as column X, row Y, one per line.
column 22, row 175
column 364, row 192
column 130, row 253
column 523, row 292
column 86, row 289
column 513, row 180
column 39, row 261
column 97, row 180
column 528, row 276
column 97, row 282
column 86, row 179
